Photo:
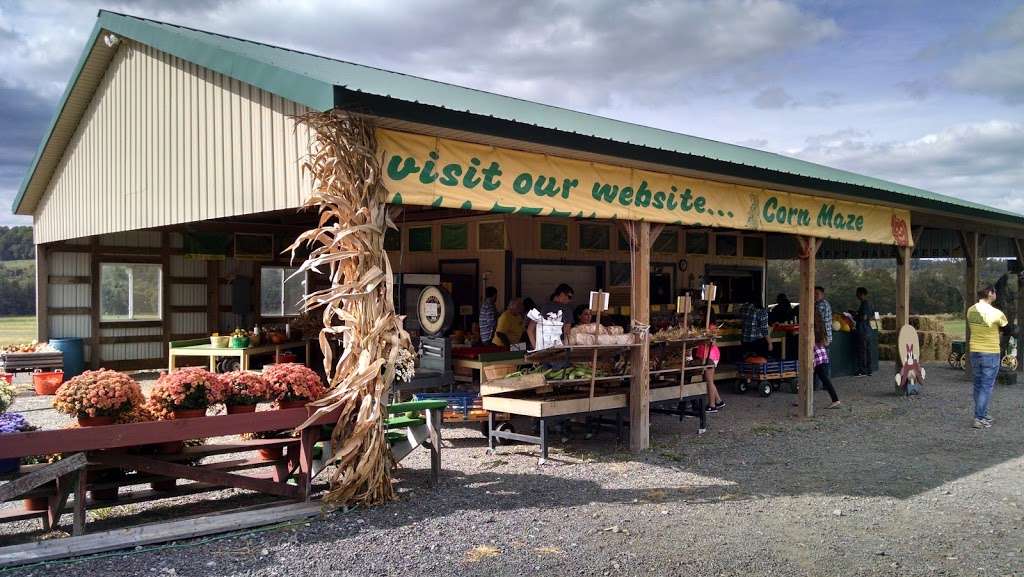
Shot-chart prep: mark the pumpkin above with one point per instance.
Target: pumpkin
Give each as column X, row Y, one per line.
column 756, row 360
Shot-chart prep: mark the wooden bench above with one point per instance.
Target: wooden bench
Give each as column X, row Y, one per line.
column 93, row 449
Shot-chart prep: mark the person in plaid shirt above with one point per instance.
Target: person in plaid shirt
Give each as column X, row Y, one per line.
column 755, row 328
column 824, row 311
column 821, row 360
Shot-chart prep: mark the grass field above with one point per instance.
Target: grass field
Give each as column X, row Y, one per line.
column 17, row 330
column 956, row 328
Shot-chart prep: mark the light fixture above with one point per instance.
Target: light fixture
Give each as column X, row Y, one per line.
column 111, row 40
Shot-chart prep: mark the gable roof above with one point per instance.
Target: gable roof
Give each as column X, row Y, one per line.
column 322, row 83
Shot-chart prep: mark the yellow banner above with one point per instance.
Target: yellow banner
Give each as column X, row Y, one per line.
column 431, row 171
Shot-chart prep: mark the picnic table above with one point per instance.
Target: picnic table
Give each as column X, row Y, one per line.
column 203, row 348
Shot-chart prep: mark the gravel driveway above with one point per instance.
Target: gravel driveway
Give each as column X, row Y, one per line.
column 883, row 486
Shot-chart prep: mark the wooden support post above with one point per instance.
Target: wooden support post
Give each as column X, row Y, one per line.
column 213, row 296
column 969, row 243
column 95, row 352
column 42, row 293
column 165, row 293
column 808, row 248
column 1018, row 245
column 903, row 258
column 78, row 515
column 640, row 311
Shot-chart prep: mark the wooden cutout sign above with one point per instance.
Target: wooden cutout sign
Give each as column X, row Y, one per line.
column 911, row 375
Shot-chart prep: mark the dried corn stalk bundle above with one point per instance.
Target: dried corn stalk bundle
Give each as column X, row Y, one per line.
column 348, row 246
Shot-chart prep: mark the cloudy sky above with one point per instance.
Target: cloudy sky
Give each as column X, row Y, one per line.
column 924, row 93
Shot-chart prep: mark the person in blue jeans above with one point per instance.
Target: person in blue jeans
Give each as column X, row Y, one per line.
column 984, row 322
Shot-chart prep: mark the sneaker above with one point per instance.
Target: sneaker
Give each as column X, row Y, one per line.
column 861, row 375
column 711, row 409
column 987, row 419
column 981, row 424
column 835, row 405
column 720, row 404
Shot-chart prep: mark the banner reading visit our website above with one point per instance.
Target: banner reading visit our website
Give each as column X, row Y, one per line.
column 431, row 171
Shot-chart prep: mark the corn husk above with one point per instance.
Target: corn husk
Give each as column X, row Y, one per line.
column 348, row 246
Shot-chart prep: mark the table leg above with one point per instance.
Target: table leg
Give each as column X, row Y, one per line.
column 170, row 362
column 78, row 526
column 245, row 360
column 213, row 364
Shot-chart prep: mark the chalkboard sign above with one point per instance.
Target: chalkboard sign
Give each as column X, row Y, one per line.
column 393, row 240
column 554, row 236
column 595, row 237
column 421, row 239
column 667, row 241
column 254, row 246
column 696, row 243
column 619, row 274
column 753, row 246
column 491, row 235
column 454, row 236
column 726, row 245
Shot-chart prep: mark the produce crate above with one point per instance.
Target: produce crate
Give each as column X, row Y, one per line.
column 28, row 362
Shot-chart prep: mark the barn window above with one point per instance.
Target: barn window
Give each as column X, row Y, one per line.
column 130, row 292
column 281, row 291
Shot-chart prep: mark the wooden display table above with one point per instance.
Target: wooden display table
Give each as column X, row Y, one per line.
column 203, row 348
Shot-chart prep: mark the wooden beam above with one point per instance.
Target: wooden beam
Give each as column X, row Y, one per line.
column 199, row 474
column 69, row 310
column 640, row 312
column 189, row 279
column 969, row 242
column 58, row 279
column 186, row 308
column 42, row 293
column 130, row 324
column 135, row 434
column 151, row 533
column 49, row 473
column 903, row 260
column 212, row 296
column 808, row 250
column 1018, row 245
column 131, row 339
column 95, row 354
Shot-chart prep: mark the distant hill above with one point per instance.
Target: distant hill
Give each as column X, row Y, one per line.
column 16, row 243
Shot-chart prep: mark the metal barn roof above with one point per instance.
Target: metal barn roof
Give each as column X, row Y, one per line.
column 322, row 83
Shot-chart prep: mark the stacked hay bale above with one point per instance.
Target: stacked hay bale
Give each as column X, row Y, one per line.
column 931, row 332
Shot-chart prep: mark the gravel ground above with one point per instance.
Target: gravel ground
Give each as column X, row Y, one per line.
column 885, row 485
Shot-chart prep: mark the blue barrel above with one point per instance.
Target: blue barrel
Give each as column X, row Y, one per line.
column 74, row 355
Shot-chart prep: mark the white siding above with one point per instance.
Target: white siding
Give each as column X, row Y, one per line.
column 165, row 142
column 69, row 296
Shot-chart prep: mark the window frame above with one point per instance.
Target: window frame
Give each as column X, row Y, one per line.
column 284, row 279
column 106, row 320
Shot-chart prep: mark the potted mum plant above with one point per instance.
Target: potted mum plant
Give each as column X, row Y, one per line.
column 243, row 390
column 98, row 397
column 12, row 423
column 293, row 385
column 185, row 394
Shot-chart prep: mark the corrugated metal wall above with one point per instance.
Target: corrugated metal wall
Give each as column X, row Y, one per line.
column 165, row 141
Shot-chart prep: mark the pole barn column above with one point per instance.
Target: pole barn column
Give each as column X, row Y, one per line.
column 903, row 254
column 42, row 294
column 969, row 244
column 808, row 247
column 640, row 311
column 1018, row 244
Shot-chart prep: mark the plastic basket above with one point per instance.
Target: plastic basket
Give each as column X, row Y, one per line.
column 47, row 383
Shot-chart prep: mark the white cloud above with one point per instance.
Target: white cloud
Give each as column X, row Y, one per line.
column 995, row 67
column 982, row 162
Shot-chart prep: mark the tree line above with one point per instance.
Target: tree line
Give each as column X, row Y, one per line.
column 17, row 279
column 936, row 285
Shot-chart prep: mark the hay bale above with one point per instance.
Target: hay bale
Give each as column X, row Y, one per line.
column 887, row 352
column 934, row 323
column 889, row 323
column 887, row 337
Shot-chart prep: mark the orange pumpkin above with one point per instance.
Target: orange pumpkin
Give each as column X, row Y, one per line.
column 756, row 360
